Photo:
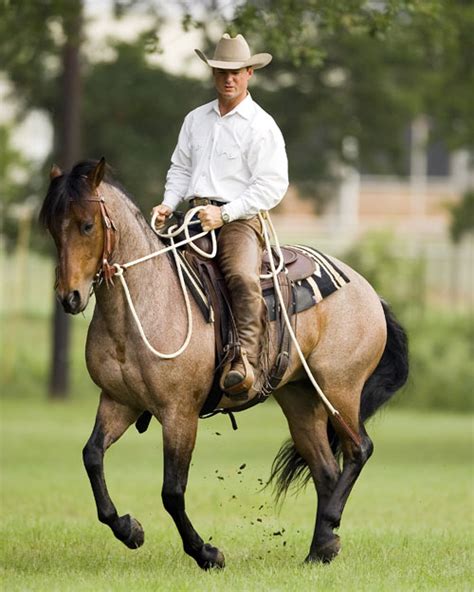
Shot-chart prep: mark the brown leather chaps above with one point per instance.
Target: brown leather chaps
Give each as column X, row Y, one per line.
column 239, row 253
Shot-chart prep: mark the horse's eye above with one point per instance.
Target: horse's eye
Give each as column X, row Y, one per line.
column 86, row 227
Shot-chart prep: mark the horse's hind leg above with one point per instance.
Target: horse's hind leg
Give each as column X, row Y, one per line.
column 111, row 422
column 179, row 436
column 307, row 420
column 346, row 400
column 354, row 459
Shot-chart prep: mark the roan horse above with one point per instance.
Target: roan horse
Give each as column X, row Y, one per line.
column 351, row 341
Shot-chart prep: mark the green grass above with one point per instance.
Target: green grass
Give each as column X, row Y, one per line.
column 407, row 526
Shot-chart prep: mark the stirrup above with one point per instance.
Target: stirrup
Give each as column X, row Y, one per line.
column 239, row 390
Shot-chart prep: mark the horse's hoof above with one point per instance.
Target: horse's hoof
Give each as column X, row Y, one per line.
column 131, row 532
column 211, row 558
column 325, row 553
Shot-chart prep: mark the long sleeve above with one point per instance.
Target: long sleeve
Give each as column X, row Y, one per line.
column 179, row 173
column 268, row 163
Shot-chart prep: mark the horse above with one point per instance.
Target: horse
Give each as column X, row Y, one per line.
column 352, row 342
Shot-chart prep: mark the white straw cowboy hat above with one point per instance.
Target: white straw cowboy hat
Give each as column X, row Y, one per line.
column 233, row 53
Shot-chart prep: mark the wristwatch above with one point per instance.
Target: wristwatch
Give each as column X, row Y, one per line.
column 225, row 216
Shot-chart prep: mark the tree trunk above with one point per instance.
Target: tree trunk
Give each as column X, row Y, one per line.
column 67, row 153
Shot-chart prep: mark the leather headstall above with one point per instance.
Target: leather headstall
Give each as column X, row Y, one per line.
column 105, row 268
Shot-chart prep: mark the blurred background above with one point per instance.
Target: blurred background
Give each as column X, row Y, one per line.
column 374, row 99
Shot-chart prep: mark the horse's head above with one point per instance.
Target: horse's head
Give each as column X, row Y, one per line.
column 74, row 215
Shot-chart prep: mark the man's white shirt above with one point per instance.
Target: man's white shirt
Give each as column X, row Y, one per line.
column 238, row 158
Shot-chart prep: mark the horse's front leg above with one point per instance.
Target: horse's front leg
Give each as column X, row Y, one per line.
column 111, row 422
column 179, row 436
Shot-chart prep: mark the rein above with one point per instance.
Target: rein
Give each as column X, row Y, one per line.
column 107, row 271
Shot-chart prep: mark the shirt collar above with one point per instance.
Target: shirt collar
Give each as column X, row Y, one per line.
column 244, row 108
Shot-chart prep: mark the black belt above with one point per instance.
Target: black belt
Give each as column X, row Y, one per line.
column 204, row 201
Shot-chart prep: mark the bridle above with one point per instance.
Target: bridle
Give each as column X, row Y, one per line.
column 105, row 269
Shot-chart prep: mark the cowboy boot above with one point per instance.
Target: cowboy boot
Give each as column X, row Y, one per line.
column 238, row 377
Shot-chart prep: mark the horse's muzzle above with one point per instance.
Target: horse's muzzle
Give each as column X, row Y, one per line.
column 72, row 302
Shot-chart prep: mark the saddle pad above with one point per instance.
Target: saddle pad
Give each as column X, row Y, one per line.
column 325, row 279
column 307, row 292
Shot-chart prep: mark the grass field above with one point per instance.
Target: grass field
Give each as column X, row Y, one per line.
column 407, row 526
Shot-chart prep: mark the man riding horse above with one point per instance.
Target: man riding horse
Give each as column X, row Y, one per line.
column 231, row 158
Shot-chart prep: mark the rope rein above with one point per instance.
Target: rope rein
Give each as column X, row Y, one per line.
column 170, row 234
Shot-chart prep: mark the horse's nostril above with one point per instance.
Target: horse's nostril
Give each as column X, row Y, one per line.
column 71, row 301
column 75, row 297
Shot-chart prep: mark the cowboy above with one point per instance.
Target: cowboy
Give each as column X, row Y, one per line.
column 231, row 156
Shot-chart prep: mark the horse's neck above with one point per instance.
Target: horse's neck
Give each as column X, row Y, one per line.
column 134, row 239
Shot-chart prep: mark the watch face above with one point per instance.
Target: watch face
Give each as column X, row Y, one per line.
column 225, row 217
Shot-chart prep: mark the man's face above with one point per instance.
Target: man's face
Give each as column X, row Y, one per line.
column 231, row 84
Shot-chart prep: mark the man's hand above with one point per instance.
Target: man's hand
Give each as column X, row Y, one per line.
column 162, row 212
column 210, row 218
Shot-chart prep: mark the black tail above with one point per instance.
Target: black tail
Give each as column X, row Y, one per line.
column 388, row 377
column 392, row 370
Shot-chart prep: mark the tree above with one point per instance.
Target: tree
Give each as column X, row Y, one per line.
column 132, row 115
column 360, row 69
column 67, row 150
column 43, row 62
column 25, row 58
column 25, row 63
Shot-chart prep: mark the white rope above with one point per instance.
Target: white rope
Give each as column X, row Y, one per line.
column 172, row 232
column 264, row 276
column 274, row 274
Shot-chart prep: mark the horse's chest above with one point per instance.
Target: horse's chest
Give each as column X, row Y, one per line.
column 113, row 366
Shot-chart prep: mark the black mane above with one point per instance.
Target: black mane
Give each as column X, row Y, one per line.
column 70, row 186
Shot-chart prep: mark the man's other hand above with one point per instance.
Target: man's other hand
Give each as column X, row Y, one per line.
column 162, row 212
column 211, row 218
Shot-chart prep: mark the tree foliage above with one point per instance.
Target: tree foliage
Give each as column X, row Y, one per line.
column 32, row 37
column 132, row 115
column 294, row 27
column 365, row 69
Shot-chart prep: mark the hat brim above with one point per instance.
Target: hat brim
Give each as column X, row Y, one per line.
column 259, row 60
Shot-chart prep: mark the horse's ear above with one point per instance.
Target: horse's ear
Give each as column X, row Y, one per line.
column 97, row 173
column 55, row 172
